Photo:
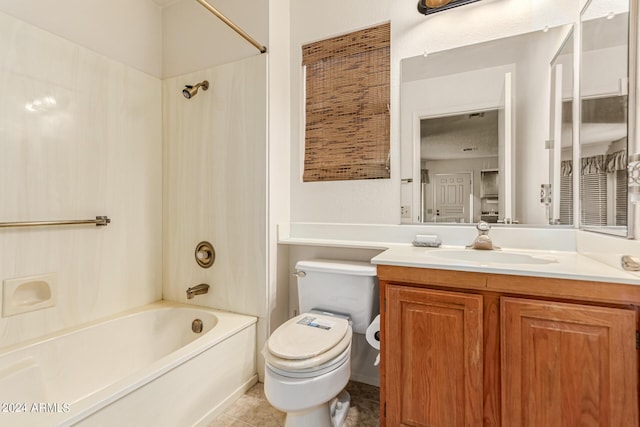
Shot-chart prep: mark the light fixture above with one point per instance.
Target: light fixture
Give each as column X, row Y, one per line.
column 427, row 7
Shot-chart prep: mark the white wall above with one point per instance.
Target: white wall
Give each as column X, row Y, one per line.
column 279, row 158
column 365, row 201
column 97, row 151
column 605, row 71
column 378, row 201
column 164, row 42
column 195, row 39
column 128, row 31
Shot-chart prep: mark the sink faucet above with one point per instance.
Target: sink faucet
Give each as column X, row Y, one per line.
column 482, row 240
column 200, row 289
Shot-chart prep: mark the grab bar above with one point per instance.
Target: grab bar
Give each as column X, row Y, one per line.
column 99, row 221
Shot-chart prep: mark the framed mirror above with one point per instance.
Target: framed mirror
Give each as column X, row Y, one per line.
column 474, row 126
column 604, row 105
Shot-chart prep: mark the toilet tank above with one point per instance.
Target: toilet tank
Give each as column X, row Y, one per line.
column 347, row 287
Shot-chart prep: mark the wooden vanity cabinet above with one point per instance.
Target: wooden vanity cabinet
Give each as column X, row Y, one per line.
column 568, row 364
column 434, row 355
column 459, row 351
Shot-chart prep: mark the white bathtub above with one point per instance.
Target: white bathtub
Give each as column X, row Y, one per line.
column 142, row 368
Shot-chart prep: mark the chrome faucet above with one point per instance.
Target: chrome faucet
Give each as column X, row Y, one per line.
column 482, row 240
column 200, row 289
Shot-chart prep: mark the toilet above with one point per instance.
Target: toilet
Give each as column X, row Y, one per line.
column 308, row 358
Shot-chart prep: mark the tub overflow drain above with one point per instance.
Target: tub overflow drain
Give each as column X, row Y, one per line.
column 196, row 326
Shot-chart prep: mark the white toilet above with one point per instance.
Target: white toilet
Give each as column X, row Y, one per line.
column 308, row 360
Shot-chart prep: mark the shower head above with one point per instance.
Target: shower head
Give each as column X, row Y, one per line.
column 190, row 91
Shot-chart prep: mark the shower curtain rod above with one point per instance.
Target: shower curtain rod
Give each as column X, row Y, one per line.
column 233, row 26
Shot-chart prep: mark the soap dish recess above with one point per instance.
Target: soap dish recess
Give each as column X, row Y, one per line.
column 28, row 294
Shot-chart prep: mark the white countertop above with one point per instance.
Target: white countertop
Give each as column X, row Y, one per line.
column 580, row 255
column 567, row 265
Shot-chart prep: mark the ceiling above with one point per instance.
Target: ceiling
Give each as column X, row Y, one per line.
column 603, row 33
column 477, row 56
column 460, row 137
column 164, row 3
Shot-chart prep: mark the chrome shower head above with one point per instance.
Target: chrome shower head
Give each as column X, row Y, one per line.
column 190, row 91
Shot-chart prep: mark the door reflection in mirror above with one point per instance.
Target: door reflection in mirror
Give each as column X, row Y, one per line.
column 459, row 168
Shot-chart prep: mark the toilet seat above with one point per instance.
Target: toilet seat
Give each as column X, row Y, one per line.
column 311, row 363
column 308, row 342
column 307, row 335
column 315, row 371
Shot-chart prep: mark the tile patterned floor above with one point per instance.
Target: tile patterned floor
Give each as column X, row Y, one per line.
column 253, row 410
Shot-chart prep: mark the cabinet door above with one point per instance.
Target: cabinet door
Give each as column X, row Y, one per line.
column 568, row 365
column 433, row 353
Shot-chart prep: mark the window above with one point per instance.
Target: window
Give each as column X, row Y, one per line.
column 347, row 106
column 621, row 181
column 566, row 200
column 593, row 190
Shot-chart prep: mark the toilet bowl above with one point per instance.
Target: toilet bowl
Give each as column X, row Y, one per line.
column 308, row 364
column 308, row 358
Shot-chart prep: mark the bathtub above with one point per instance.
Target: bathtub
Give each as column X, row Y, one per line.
column 144, row 367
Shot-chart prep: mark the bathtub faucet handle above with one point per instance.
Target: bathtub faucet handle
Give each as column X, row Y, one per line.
column 200, row 289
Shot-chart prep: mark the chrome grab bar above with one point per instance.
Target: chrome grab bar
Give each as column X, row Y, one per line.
column 99, row 221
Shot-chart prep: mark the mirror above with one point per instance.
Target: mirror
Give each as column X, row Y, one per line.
column 604, row 88
column 474, row 121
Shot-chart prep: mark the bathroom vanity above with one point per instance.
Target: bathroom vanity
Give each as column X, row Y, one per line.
column 474, row 346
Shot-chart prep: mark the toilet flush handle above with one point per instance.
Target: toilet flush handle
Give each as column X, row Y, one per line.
column 299, row 273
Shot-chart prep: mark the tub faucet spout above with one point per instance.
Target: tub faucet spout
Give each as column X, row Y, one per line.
column 200, row 289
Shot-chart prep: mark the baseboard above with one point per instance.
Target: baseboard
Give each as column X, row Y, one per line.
column 222, row 406
column 366, row 379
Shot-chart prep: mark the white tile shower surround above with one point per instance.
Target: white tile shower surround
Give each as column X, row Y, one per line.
column 80, row 136
column 215, row 150
column 92, row 129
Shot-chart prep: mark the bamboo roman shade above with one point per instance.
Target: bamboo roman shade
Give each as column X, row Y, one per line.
column 347, row 106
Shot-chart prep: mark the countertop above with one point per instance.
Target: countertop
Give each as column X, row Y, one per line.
column 565, row 265
column 578, row 255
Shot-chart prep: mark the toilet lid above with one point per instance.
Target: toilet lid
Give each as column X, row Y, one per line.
column 306, row 336
column 309, row 368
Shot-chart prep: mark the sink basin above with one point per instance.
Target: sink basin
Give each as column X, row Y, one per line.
column 489, row 257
